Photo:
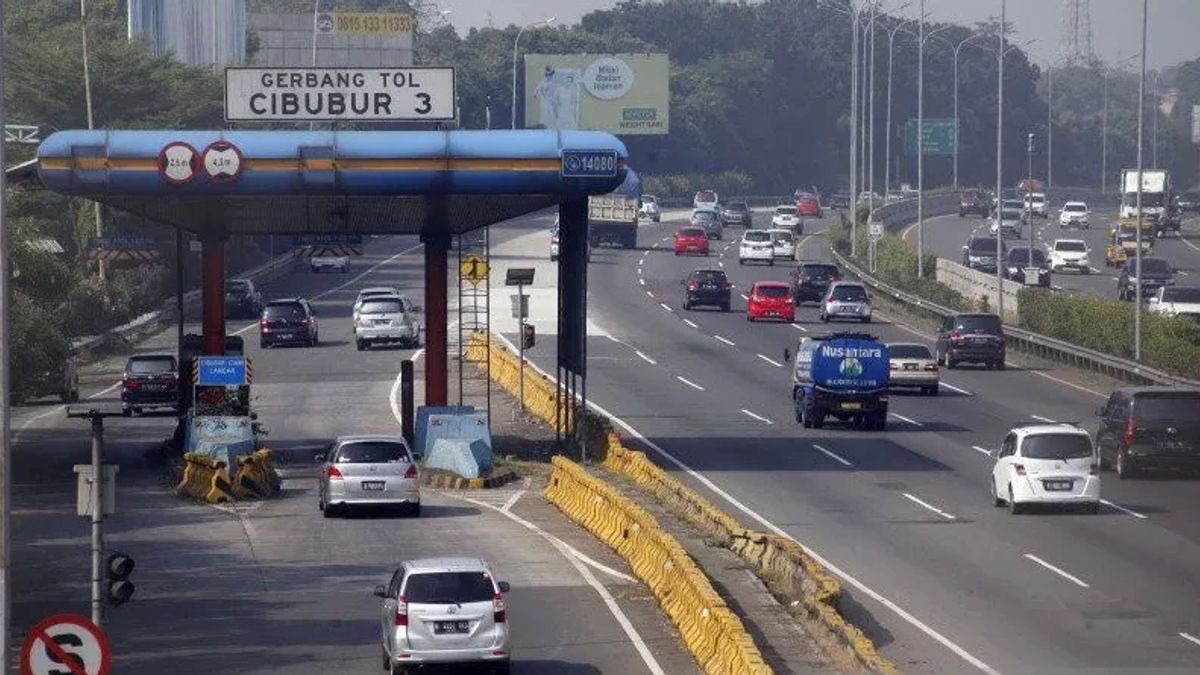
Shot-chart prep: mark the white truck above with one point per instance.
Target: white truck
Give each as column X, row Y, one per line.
column 1156, row 193
column 613, row 219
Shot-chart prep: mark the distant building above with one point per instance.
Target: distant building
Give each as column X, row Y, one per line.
column 196, row 32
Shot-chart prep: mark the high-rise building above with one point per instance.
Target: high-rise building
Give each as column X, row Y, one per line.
column 1075, row 36
column 197, row 32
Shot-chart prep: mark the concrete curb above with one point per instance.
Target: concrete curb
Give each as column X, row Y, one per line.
column 445, row 479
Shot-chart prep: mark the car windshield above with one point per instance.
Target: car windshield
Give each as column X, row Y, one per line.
column 288, row 310
column 1010, row 214
column 979, row 323
column 739, row 206
column 910, row 352
column 1016, row 204
column 782, row 237
column 650, row 199
column 448, row 588
column 1181, row 294
column 985, row 246
column 1070, row 246
column 709, row 276
column 704, row 216
column 1037, row 199
column 818, row 270
column 1023, row 255
column 1056, row 446
column 758, row 236
column 705, row 196
column 1181, row 406
column 1150, row 266
column 785, row 211
column 691, row 232
column 151, row 366
column 772, row 291
column 381, row 307
column 1074, row 208
column 237, row 286
column 372, row 452
column 849, row 294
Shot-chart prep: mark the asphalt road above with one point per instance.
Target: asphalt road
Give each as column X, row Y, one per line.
column 944, row 581
column 274, row 587
column 946, row 235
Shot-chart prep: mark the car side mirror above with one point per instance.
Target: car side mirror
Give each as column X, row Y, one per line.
column 503, row 586
column 319, row 459
column 381, row 591
column 787, row 354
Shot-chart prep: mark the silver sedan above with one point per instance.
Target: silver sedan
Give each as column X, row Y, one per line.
column 368, row 471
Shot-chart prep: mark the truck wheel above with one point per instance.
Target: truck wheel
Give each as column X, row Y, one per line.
column 818, row 419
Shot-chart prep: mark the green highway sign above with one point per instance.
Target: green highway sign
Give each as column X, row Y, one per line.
column 940, row 136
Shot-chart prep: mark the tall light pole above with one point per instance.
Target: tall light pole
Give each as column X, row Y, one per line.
column 887, row 153
column 957, row 49
column 1137, row 300
column 1049, row 124
column 101, row 266
column 1106, row 71
column 1028, row 190
column 546, row 21
column 922, row 38
column 855, row 13
column 5, row 424
column 1000, row 158
column 1154, row 123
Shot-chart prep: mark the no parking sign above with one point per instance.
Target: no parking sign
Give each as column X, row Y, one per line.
column 66, row 644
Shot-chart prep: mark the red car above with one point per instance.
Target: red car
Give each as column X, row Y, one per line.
column 691, row 240
column 771, row 300
column 808, row 205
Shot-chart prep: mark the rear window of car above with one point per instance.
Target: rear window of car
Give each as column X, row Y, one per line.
column 910, row 352
column 758, row 236
column 704, row 216
column 979, row 323
column 448, row 588
column 151, row 366
column 1176, row 406
column 983, row 245
column 284, row 310
column 709, row 276
column 849, row 294
column 236, row 286
column 782, row 236
column 1074, row 208
column 1015, row 204
column 772, row 291
column 786, row 211
column 1056, row 446
column 372, row 452
column 381, row 307
column 706, row 196
column 1181, row 295
column 1071, row 246
column 1023, row 255
column 739, row 206
column 819, row 270
column 691, row 232
column 1150, row 265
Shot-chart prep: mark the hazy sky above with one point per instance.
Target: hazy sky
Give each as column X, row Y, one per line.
column 1174, row 24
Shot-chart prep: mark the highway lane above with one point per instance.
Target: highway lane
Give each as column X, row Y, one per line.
column 905, row 512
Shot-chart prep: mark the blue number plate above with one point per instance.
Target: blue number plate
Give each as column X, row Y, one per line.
column 589, row 163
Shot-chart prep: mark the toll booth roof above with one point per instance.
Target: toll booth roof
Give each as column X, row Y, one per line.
column 377, row 182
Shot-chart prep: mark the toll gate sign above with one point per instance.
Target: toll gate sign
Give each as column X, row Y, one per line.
column 339, row 94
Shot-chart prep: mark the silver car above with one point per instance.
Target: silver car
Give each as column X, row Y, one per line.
column 443, row 611
column 846, row 300
column 368, row 471
column 386, row 319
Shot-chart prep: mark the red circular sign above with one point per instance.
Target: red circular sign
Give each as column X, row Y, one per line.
column 178, row 163
column 222, row 162
column 66, row 641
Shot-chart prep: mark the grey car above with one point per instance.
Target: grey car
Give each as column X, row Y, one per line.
column 368, row 470
column 443, row 611
column 384, row 319
column 846, row 300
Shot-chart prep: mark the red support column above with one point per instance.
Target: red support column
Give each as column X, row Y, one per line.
column 436, row 323
column 212, row 284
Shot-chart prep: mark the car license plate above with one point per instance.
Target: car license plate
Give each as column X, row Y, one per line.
column 372, row 486
column 852, row 405
column 153, row 386
column 444, row 627
column 979, row 340
column 380, row 322
column 1057, row 485
column 910, row 366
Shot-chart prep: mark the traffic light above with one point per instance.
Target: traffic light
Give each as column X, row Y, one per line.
column 118, row 567
column 528, row 336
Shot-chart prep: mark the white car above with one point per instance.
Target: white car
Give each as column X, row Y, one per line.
column 386, row 319
column 1046, row 464
column 1073, row 214
column 707, row 199
column 335, row 263
column 373, row 292
column 1180, row 301
column 756, row 245
column 1037, row 204
column 1070, row 254
column 786, row 217
column 913, row 365
column 783, row 242
column 649, row 208
column 554, row 243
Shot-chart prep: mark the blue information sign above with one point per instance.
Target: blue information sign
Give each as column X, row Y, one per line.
column 589, row 163
column 228, row 371
column 332, row 239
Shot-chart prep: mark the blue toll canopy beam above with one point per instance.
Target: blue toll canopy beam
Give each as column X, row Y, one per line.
column 281, row 182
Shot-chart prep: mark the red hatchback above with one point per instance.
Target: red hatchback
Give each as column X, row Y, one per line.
column 691, row 240
column 808, row 205
column 771, row 300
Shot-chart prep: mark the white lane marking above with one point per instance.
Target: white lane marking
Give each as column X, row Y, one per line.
column 983, row 450
column 392, row 399
column 574, row 557
column 1135, row 514
column 760, row 418
column 837, row 457
column 1185, row 636
column 512, row 501
column 902, row 418
column 645, row 358
column 59, row 409
column 800, row 328
column 929, row 506
column 721, row 263
column 1182, row 273
column 649, row 294
column 665, row 306
column 1047, row 420
column 645, row 253
column 689, row 383
column 726, row 340
column 656, row 245
column 640, row 262
column 1185, row 241
column 613, row 339
column 758, row 518
column 641, row 281
column 688, row 322
column 770, row 360
column 951, row 387
column 745, row 297
column 1060, row 572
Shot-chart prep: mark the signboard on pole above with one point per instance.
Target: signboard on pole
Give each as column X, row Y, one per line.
column 317, row 245
column 474, row 269
column 66, row 643
column 940, row 136
column 339, row 94
column 221, row 371
column 123, row 248
column 618, row 93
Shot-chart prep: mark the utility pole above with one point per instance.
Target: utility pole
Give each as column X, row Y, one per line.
column 1050, row 126
column 5, row 386
column 854, row 14
column 1028, row 192
column 921, row 144
column 1000, row 160
column 1137, row 300
column 101, row 266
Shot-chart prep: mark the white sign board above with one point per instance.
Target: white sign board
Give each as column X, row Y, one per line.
column 339, row 94
column 1196, row 124
column 876, row 231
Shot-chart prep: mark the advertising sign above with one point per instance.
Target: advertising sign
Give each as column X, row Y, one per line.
column 339, row 94
column 940, row 136
column 362, row 23
column 618, row 93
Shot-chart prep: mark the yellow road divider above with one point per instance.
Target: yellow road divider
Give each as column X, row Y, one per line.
column 256, row 477
column 205, row 479
column 710, row 630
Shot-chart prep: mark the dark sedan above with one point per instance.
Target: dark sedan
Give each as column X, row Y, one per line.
column 810, row 281
column 737, row 213
column 706, row 287
column 242, row 298
column 1021, row 259
column 973, row 201
column 1156, row 273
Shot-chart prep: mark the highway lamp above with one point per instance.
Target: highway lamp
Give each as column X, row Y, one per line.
column 1154, row 123
column 101, row 266
column 887, row 128
column 855, row 14
column 1000, row 157
column 547, row 21
column 887, row 152
column 1137, row 300
column 922, row 38
column 1105, row 72
column 1028, row 192
column 957, row 49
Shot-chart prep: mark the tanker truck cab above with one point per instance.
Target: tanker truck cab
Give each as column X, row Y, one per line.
column 840, row 375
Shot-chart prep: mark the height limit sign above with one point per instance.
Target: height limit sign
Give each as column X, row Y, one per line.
column 66, row 644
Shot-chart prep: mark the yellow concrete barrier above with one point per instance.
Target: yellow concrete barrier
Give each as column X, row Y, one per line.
column 205, row 479
column 710, row 630
column 256, row 477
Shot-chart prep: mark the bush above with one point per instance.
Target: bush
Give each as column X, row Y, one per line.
column 1169, row 344
column 39, row 345
column 684, row 186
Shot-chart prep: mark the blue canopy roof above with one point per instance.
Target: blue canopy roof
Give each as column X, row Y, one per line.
column 324, row 181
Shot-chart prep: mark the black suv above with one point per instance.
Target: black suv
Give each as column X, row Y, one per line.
column 971, row 338
column 973, row 201
column 1149, row 427
column 292, row 321
column 980, row 253
column 1156, row 273
column 242, row 298
column 706, row 287
column 150, row 381
column 810, row 280
column 1021, row 258
column 840, row 199
column 737, row 213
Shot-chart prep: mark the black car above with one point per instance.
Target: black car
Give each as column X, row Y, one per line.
column 242, row 298
column 971, row 338
column 292, row 321
column 706, row 287
column 840, row 199
column 980, row 253
column 1156, row 273
column 1149, row 428
column 1189, row 202
column 150, row 381
column 810, row 281
column 1020, row 259
column 974, row 201
column 737, row 213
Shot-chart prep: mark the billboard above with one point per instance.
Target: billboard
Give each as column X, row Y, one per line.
column 619, row 93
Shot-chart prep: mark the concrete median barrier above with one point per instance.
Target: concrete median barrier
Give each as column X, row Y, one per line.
column 447, row 480
column 205, row 479
column 256, row 477
column 710, row 630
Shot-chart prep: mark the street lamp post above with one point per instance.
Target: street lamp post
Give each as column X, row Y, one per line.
column 1137, row 300
column 516, row 42
column 887, row 153
column 1028, row 192
column 922, row 38
column 1049, row 125
column 1106, row 71
column 1000, row 159
column 957, row 49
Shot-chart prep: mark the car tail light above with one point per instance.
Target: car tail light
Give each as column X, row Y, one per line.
column 1130, row 433
column 263, row 324
column 932, row 367
column 401, row 618
column 131, row 383
column 498, row 608
column 693, row 286
column 956, row 335
column 411, row 471
column 332, row 473
column 894, row 366
column 1019, row 468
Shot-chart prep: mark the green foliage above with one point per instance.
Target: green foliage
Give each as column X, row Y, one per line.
column 40, row 346
column 896, row 265
column 725, row 183
column 1168, row 343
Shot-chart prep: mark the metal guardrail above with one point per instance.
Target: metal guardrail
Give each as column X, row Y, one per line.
column 751, row 200
column 1024, row 340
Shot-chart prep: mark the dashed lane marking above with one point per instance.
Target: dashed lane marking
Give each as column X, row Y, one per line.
column 665, row 306
column 725, row 340
column 1060, row 572
column 770, row 360
column 760, row 418
column 1135, row 514
column 929, row 506
column 645, row 358
column 690, row 323
column 689, row 383
column 1190, row 638
column 983, row 450
column 833, row 455
column 1047, row 420
column 902, row 418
